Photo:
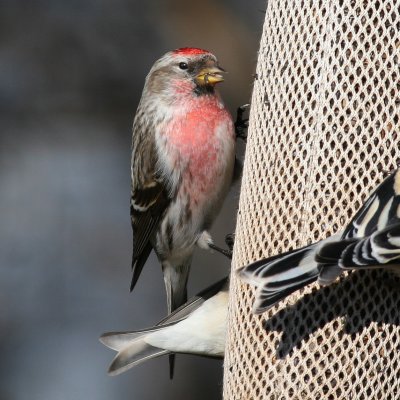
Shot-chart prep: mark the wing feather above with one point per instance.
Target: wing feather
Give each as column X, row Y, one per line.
column 380, row 210
column 149, row 194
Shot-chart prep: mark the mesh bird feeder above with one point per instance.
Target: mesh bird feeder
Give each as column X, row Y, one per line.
column 324, row 128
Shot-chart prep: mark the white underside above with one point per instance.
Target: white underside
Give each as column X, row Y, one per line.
column 203, row 332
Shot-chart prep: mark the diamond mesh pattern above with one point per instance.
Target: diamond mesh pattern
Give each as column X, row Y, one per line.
column 323, row 129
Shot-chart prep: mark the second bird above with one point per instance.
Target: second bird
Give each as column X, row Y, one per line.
column 183, row 157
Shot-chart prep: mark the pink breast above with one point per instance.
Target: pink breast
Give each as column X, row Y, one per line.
column 197, row 140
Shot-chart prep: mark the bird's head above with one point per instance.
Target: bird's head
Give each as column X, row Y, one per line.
column 185, row 70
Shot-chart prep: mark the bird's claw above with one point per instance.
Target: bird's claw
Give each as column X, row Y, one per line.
column 226, row 253
column 241, row 124
column 230, row 240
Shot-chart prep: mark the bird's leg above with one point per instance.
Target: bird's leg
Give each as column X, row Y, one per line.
column 226, row 253
column 241, row 124
column 205, row 242
column 229, row 240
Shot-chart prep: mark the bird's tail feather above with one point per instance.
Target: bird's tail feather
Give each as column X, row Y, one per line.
column 175, row 278
column 331, row 252
column 120, row 340
column 327, row 258
column 132, row 349
column 279, row 276
column 132, row 346
column 328, row 273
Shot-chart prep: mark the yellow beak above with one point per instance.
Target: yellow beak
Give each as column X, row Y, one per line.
column 210, row 76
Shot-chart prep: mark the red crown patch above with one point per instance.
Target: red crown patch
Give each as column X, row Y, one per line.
column 189, row 51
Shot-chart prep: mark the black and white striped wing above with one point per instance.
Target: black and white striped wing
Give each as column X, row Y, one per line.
column 278, row 276
column 364, row 237
column 281, row 275
column 381, row 209
column 381, row 249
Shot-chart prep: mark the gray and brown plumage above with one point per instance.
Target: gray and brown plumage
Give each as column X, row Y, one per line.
column 183, row 157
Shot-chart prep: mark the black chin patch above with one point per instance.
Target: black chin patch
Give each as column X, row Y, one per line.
column 203, row 90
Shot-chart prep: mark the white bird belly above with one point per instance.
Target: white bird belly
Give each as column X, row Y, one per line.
column 203, row 332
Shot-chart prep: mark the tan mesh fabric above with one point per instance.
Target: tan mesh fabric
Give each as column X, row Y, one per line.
column 324, row 128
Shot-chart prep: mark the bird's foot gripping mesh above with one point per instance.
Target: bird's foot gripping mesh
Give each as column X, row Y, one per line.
column 324, row 127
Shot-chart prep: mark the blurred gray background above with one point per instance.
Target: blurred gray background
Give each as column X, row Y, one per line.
column 71, row 75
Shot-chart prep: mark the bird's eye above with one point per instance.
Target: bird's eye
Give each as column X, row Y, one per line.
column 183, row 65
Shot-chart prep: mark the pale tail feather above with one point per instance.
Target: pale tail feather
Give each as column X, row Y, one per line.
column 120, row 340
column 132, row 348
column 138, row 352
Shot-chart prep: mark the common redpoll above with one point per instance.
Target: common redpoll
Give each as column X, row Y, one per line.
column 198, row 327
column 183, row 156
column 371, row 240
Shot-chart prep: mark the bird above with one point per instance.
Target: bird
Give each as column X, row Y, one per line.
column 182, row 166
column 197, row 327
column 370, row 240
